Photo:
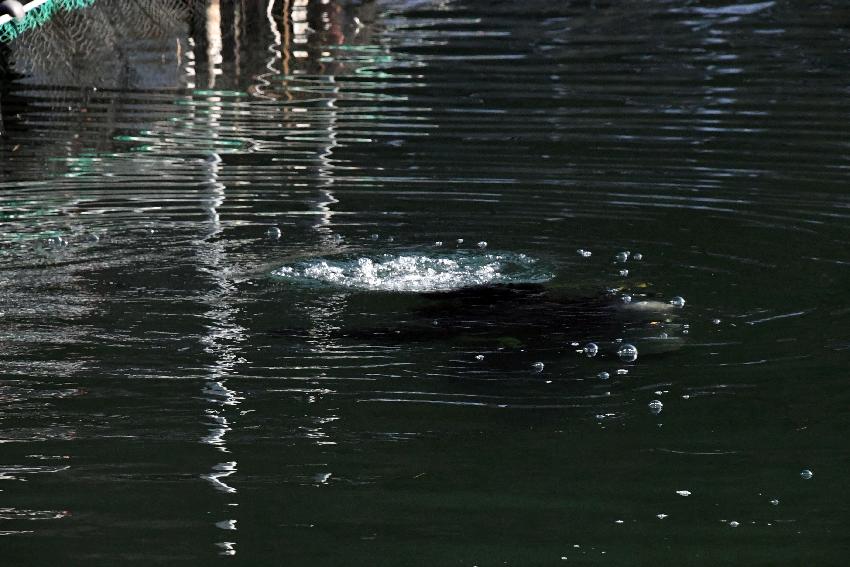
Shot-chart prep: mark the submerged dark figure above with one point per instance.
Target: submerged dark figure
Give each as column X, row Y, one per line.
column 529, row 317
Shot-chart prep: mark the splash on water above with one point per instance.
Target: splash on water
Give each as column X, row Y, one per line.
column 417, row 273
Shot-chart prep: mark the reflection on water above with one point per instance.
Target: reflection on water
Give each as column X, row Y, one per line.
column 297, row 280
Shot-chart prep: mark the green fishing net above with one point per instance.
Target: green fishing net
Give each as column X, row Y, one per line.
column 38, row 16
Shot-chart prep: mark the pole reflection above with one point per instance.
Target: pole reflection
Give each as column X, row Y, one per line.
column 223, row 334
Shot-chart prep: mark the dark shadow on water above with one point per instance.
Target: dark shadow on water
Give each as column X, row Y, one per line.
column 522, row 321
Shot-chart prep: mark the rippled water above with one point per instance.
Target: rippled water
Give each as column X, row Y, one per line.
column 465, row 195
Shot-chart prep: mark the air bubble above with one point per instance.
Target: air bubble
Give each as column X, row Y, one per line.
column 459, row 241
column 482, row 245
column 590, row 349
column 584, row 253
column 538, row 366
column 678, row 301
column 375, row 236
column 715, row 321
column 655, row 406
column 622, row 371
column 637, row 256
column 806, row 474
column 603, row 375
column 626, row 298
column 56, row 242
column 438, row 243
column 775, row 502
column 628, row 352
column 734, row 524
column 622, row 256
column 273, row 232
column 624, row 273
column 661, row 516
column 479, row 357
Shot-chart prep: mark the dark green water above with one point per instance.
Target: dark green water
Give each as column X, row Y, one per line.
column 169, row 396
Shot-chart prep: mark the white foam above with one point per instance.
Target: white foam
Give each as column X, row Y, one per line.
column 417, row 273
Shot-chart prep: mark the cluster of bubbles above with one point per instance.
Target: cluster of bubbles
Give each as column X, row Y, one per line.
column 805, row 474
column 58, row 242
column 418, row 273
column 621, row 257
column 627, row 352
column 625, row 255
column 482, row 244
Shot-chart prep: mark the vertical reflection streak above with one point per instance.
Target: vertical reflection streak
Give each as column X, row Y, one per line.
column 275, row 48
column 324, row 315
column 214, row 41
column 287, row 40
column 223, row 334
column 326, row 170
column 238, row 8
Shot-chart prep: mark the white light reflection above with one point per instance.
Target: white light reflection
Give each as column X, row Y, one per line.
column 295, row 44
column 214, row 42
column 219, row 472
column 276, row 50
column 223, row 334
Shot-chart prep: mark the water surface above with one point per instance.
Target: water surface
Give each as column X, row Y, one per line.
column 277, row 276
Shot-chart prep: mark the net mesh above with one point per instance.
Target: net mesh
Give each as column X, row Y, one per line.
column 114, row 43
column 38, row 16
